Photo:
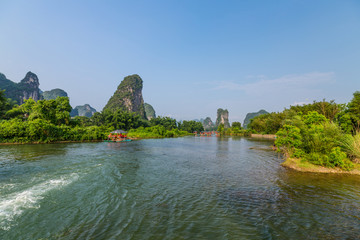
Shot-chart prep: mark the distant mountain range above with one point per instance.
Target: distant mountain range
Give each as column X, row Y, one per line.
column 54, row 93
column 84, row 111
column 149, row 111
column 25, row 89
column 29, row 88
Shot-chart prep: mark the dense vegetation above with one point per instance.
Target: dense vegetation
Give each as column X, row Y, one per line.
column 157, row 131
column 45, row 121
column 234, row 130
column 323, row 133
column 50, row 121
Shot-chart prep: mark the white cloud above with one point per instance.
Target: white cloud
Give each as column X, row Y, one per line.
column 285, row 84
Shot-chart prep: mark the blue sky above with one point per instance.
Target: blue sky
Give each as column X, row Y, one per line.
column 193, row 56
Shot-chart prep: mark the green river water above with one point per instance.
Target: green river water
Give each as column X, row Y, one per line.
column 183, row 188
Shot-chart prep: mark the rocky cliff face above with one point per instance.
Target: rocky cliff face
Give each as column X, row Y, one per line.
column 223, row 117
column 27, row 88
column 128, row 96
column 208, row 124
column 250, row 116
column 149, row 110
column 54, row 93
column 85, row 111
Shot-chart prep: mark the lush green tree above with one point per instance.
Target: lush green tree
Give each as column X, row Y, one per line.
column 289, row 137
column 236, row 124
column 315, row 139
column 314, row 118
column 157, row 131
column 328, row 109
column 268, row 123
column 221, row 128
column 354, row 110
column 120, row 119
column 3, row 101
column 191, row 126
column 56, row 111
column 167, row 122
column 6, row 104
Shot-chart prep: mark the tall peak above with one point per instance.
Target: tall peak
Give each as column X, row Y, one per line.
column 31, row 78
column 128, row 96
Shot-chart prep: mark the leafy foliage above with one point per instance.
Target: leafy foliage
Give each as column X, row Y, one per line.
column 46, row 121
column 167, row 122
column 191, row 126
column 267, row 123
column 289, row 137
column 5, row 104
column 351, row 145
column 221, row 129
column 157, row 131
column 313, row 138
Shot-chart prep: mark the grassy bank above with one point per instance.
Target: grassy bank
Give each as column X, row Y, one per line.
column 305, row 166
column 156, row 132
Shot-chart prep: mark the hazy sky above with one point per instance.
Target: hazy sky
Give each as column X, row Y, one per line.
column 193, row 56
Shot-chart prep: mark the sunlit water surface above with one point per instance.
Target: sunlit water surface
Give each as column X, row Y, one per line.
column 184, row 188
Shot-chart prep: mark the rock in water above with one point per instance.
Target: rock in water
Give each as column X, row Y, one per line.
column 27, row 88
column 222, row 117
column 83, row 111
column 150, row 112
column 54, row 93
column 250, row 116
column 128, row 96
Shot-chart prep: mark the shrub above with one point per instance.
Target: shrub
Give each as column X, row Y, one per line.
column 298, row 153
column 288, row 137
column 338, row 159
column 318, row 159
column 351, row 145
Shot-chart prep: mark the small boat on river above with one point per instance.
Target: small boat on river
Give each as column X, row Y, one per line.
column 118, row 136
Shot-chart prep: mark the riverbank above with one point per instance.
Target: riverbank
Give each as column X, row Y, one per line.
column 23, row 143
column 267, row 136
column 133, row 138
column 304, row 166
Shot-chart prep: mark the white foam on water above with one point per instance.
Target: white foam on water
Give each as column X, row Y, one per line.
column 16, row 203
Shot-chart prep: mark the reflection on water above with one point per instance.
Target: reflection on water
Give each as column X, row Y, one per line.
column 185, row 188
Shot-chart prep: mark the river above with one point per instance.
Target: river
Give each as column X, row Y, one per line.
column 181, row 188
